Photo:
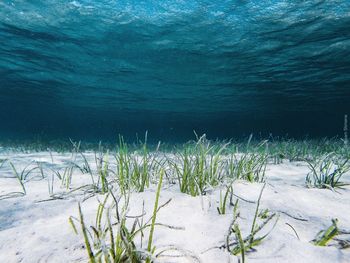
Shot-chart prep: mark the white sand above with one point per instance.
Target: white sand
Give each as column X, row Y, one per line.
column 34, row 231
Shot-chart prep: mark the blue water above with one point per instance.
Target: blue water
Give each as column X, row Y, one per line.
column 93, row 69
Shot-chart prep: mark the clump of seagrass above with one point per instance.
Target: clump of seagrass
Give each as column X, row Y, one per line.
column 332, row 233
column 236, row 243
column 21, row 177
column 198, row 167
column 135, row 170
column 250, row 167
column 327, row 171
column 112, row 239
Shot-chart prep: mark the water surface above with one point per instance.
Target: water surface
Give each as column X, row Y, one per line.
column 92, row 69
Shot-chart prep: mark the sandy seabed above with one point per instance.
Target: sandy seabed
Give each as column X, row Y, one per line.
column 34, row 228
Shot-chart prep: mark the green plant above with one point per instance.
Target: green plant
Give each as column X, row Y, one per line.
column 20, row 178
column 338, row 237
column 249, row 166
column 183, row 171
column 199, row 166
column 223, row 200
column 151, row 249
column 41, row 169
column 123, row 166
column 143, row 165
column 25, row 171
column 243, row 245
column 66, row 176
column 102, row 165
column 109, row 242
column 324, row 236
column 115, row 241
column 327, row 171
column 85, row 234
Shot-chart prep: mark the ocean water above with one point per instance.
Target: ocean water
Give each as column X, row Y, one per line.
column 93, row 69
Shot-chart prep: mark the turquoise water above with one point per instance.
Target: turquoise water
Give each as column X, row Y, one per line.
column 93, row 69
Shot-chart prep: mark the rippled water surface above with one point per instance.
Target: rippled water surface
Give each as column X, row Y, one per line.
column 92, row 69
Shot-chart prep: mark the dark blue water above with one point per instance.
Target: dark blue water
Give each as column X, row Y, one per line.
column 93, row 69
